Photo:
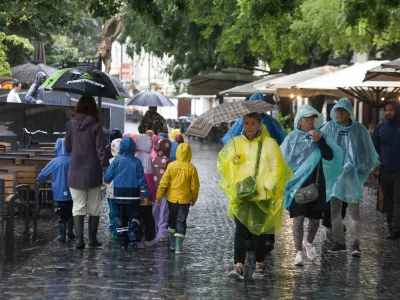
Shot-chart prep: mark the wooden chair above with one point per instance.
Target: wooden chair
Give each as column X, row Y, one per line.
column 7, row 160
column 40, row 163
column 7, row 202
column 7, row 146
column 2, row 149
column 25, row 182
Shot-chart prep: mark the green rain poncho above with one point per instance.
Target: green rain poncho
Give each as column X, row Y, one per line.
column 359, row 155
column 303, row 155
column 261, row 214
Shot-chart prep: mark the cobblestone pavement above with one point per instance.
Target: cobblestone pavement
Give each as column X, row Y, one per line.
column 61, row 272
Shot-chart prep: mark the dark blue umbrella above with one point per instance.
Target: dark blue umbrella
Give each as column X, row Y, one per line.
column 150, row 99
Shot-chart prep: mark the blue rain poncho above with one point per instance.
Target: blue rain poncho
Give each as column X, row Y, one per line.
column 359, row 155
column 274, row 128
column 303, row 156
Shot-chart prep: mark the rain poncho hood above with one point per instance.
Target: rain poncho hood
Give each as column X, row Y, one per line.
column 58, row 168
column 144, row 143
column 153, row 151
column 162, row 147
column 303, row 155
column 179, row 139
column 261, row 214
column 359, row 155
column 174, row 133
column 274, row 128
column 115, row 134
column 35, row 92
column 184, row 153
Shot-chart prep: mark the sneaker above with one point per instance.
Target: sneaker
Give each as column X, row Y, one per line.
column 310, row 250
column 258, row 272
column 236, row 273
column 152, row 243
column 298, row 261
column 355, row 249
column 337, row 248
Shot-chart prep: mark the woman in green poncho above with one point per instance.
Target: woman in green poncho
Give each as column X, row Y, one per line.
column 254, row 174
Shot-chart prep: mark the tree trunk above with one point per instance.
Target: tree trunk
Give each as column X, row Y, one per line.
column 112, row 28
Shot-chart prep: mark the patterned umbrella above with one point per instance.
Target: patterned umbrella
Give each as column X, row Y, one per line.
column 224, row 113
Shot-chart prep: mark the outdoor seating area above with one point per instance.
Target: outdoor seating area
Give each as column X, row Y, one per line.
column 21, row 196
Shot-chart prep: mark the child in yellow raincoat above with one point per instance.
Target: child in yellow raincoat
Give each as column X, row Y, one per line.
column 261, row 212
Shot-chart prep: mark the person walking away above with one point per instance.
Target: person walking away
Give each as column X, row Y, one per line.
column 386, row 139
column 144, row 144
column 113, row 135
column 174, row 144
column 13, row 96
column 254, row 175
column 35, row 95
column 359, row 159
column 181, row 185
column 58, row 168
column 162, row 147
column 152, row 120
column 86, row 142
column 126, row 171
column 112, row 204
column 317, row 163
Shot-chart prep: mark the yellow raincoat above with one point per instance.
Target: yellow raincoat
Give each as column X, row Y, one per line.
column 180, row 181
column 261, row 214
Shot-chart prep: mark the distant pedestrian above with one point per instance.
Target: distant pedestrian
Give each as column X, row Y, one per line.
column 152, row 120
column 35, row 94
column 127, row 174
column 13, row 96
column 359, row 159
column 58, row 169
column 386, row 139
column 86, row 142
column 181, row 185
column 317, row 163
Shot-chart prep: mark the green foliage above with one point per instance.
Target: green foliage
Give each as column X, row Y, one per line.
column 11, row 40
column 285, row 122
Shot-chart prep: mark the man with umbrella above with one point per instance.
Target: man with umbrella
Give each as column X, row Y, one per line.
column 152, row 120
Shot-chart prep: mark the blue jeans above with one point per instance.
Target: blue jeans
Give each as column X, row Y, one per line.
column 112, row 205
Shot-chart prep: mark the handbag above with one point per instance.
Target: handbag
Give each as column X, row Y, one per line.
column 247, row 188
column 309, row 193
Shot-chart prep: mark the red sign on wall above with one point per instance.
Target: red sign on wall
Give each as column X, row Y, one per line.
column 126, row 72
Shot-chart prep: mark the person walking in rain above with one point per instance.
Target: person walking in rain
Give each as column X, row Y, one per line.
column 35, row 95
column 317, row 163
column 152, row 120
column 254, row 174
column 359, row 159
column 386, row 139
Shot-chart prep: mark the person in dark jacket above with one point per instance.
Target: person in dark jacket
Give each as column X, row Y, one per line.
column 129, row 184
column 86, row 142
column 58, row 168
column 114, row 134
column 35, row 95
column 152, row 120
column 386, row 140
column 308, row 154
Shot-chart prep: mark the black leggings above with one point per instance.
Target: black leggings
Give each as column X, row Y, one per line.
column 241, row 233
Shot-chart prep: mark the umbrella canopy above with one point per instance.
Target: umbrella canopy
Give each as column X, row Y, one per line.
column 86, row 81
column 26, row 73
column 150, row 98
column 225, row 112
column 387, row 71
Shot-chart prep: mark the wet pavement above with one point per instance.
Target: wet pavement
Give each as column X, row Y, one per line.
column 61, row 272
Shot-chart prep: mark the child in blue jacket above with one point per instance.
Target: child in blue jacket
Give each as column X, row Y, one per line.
column 58, row 168
column 129, row 184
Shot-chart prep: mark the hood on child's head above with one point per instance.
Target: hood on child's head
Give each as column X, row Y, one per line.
column 184, row 153
column 179, row 139
column 163, row 135
column 127, row 147
column 155, row 138
column 144, row 143
column 116, row 147
column 174, row 133
column 163, row 147
column 59, row 148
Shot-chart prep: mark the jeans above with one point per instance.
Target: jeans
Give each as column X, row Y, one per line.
column 337, row 221
column 391, row 199
column 178, row 214
column 112, row 214
column 259, row 241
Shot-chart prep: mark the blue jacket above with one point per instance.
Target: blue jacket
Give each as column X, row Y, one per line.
column 174, row 147
column 35, row 93
column 127, row 172
column 386, row 140
column 58, row 167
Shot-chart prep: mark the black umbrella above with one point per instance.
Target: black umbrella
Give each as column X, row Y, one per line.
column 150, row 99
column 86, row 81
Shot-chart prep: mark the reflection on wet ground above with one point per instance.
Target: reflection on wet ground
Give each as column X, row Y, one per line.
column 61, row 272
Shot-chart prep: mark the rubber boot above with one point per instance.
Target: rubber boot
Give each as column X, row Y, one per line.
column 172, row 240
column 71, row 234
column 79, row 223
column 62, row 227
column 178, row 243
column 132, row 234
column 93, row 227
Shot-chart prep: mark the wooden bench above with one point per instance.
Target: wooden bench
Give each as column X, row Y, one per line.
column 7, row 146
column 47, row 146
column 8, row 160
column 40, row 163
column 7, row 202
column 18, row 156
column 25, row 182
column 2, row 149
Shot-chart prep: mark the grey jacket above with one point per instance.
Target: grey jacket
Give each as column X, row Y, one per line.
column 86, row 142
column 34, row 94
